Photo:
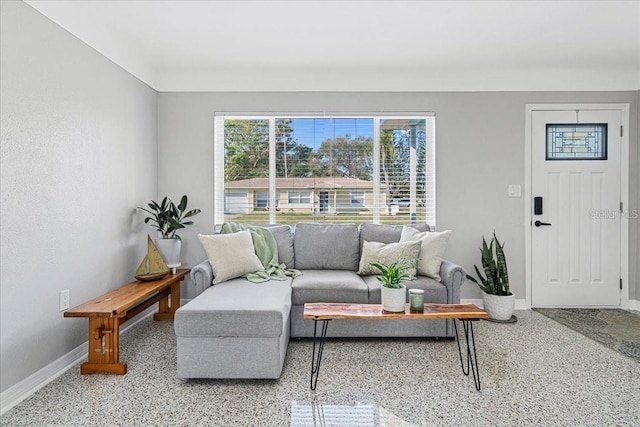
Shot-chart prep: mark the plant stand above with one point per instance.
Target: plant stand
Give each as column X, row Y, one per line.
column 512, row 319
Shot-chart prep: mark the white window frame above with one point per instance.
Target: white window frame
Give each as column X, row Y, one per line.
column 358, row 195
column 430, row 143
column 298, row 199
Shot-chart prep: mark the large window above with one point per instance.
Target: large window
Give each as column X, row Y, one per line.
column 296, row 168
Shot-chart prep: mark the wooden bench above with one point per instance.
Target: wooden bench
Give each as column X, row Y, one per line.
column 107, row 312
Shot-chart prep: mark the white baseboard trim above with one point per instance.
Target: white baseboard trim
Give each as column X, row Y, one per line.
column 25, row 388
column 521, row 304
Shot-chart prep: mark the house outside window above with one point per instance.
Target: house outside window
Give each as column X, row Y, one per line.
column 335, row 168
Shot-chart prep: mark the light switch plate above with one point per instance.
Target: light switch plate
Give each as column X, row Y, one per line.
column 514, row 190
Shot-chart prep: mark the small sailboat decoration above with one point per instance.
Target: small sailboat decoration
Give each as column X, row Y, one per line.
column 152, row 266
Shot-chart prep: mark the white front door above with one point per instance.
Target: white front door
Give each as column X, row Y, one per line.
column 576, row 222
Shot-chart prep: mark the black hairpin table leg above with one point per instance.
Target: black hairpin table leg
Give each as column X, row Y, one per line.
column 472, row 358
column 316, row 359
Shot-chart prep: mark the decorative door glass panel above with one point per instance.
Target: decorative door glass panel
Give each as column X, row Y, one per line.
column 577, row 141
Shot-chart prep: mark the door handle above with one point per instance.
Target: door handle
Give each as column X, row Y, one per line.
column 539, row 223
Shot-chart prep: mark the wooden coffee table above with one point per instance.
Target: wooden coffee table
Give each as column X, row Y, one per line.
column 464, row 313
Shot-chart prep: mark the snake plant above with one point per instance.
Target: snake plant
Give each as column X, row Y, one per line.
column 494, row 265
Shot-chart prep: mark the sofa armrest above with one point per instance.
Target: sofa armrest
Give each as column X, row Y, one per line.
column 202, row 276
column 452, row 276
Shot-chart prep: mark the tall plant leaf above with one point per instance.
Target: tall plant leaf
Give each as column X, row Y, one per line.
column 503, row 274
column 183, row 203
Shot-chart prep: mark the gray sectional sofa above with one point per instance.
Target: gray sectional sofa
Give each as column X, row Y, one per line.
column 240, row 329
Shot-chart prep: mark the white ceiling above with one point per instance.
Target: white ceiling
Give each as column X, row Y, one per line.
column 362, row 45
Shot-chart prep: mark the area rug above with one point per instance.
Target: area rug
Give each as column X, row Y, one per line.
column 613, row 328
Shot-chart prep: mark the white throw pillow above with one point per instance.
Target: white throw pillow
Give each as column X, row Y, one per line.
column 434, row 244
column 230, row 255
column 387, row 254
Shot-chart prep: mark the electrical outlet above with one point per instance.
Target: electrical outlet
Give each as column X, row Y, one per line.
column 65, row 298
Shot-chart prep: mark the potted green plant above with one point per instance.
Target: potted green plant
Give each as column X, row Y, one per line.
column 497, row 299
column 393, row 292
column 167, row 218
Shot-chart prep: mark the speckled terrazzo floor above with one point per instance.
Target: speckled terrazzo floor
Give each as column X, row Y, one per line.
column 614, row 328
column 534, row 372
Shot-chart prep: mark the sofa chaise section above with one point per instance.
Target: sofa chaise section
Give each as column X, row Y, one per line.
column 235, row 329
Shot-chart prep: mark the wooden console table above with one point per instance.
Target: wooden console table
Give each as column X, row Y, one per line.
column 464, row 313
column 107, row 312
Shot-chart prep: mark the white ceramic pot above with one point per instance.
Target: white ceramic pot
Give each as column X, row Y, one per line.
column 170, row 250
column 499, row 307
column 394, row 299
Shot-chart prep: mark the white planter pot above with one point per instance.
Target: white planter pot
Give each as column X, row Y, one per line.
column 170, row 250
column 394, row 299
column 499, row 307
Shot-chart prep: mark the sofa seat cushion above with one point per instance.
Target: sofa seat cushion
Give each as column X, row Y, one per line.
column 434, row 291
column 329, row 286
column 326, row 246
column 237, row 308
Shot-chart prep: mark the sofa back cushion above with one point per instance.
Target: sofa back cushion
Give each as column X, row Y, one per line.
column 284, row 238
column 326, row 246
column 384, row 233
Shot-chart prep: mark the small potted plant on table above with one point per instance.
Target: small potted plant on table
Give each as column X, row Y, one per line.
column 497, row 299
column 393, row 292
column 168, row 218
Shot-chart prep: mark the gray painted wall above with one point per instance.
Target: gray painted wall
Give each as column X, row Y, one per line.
column 480, row 150
column 78, row 154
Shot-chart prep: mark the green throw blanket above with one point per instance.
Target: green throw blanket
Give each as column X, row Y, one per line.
column 266, row 249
